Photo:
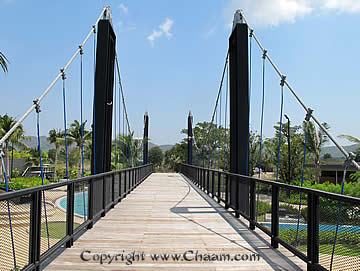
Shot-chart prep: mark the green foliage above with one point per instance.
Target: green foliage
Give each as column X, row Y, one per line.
column 175, row 155
column 156, row 156
column 23, row 182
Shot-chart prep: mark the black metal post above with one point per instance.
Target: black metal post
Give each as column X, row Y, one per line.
column 190, row 139
column 252, row 204
column 70, row 214
column 35, row 229
column 146, row 139
column 239, row 114
column 313, row 231
column 274, row 216
column 103, row 98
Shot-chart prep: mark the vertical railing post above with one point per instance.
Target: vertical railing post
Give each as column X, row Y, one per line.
column 207, row 172
column 120, row 180
column 104, row 196
column 35, row 229
column 91, row 203
column 113, row 189
column 125, row 185
column 227, row 191
column 274, row 216
column 219, row 187
column 70, row 214
column 313, row 230
column 213, row 184
column 237, row 196
column 252, row 204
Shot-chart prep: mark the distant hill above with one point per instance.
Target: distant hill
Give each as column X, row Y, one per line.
column 31, row 142
column 164, row 148
column 335, row 153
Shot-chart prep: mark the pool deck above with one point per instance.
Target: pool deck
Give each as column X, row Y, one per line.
column 168, row 214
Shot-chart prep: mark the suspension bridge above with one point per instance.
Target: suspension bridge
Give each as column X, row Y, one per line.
column 207, row 216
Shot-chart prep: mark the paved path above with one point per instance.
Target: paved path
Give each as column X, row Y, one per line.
column 167, row 214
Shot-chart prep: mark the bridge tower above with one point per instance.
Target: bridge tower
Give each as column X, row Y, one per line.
column 239, row 112
column 146, row 139
column 103, row 97
column 190, row 139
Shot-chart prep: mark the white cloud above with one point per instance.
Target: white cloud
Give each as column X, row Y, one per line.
column 153, row 36
column 265, row 12
column 166, row 26
column 163, row 29
column 350, row 6
column 123, row 8
column 275, row 12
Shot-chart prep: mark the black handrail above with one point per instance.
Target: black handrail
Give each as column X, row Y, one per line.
column 315, row 200
column 104, row 190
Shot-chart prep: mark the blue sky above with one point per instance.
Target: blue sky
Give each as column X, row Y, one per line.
column 172, row 53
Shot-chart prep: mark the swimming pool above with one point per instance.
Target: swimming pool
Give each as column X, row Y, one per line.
column 322, row 227
column 80, row 203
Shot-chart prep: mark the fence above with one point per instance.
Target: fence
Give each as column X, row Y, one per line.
column 321, row 228
column 36, row 222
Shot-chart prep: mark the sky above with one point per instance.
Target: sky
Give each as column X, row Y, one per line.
column 172, row 53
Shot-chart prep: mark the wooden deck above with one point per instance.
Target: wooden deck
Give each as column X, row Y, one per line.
column 167, row 214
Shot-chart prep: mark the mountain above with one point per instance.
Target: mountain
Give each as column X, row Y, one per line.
column 335, row 153
column 164, row 148
column 31, row 142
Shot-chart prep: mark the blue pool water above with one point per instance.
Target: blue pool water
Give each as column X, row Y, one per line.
column 322, row 227
column 80, row 203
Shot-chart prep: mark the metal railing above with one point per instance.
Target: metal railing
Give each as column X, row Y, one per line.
column 321, row 228
column 36, row 222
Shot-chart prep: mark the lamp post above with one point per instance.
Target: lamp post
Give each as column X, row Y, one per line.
column 289, row 148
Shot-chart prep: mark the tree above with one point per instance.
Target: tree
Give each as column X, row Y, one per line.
column 176, row 155
column 56, row 137
column 316, row 138
column 3, row 62
column 6, row 123
column 355, row 140
column 156, row 156
column 126, row 150
column 327, row 156
column 79, row 136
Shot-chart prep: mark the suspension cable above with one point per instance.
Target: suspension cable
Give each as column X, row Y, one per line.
column 6, row 177
column 298, row 99
column 280, row 126
column 81, row 111
column 262, row 112
column 42, row 175
column 122, row 93
column 63, row 76
column 104, row 13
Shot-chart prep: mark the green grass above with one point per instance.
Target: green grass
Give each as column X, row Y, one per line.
column 23, row 182
column 341, row 249
column 57, row 230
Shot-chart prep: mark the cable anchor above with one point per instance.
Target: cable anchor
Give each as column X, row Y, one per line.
column 283, row 79
column 63, row 75
column 81, row 52
column 309, row 113
column 94, row 29
column 251, row 34
column 37, row 106
column 264, row 54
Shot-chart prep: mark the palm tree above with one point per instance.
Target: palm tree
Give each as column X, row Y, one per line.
column 315, row 141
column 55, row 137
column 6, row 123
column 3, row 62
column 355, row 140
column 79, row 136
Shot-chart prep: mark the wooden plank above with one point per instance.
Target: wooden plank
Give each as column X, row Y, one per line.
column 167, row 214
